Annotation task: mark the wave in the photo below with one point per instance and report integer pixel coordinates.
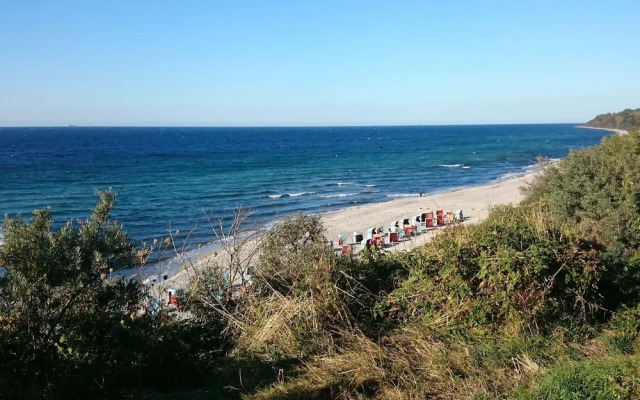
(333, 196)
(277, 196)
(369, 185)
(508, 175)
(402, 195)
(344, 183)
(300, 194)
(454, 166)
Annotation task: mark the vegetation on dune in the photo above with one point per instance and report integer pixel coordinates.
(594, 194)
(625, 120)
(540, 301)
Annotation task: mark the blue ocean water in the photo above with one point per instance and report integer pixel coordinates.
(171, 176)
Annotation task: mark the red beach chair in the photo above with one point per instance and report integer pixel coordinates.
(440, 216)
(428, 219)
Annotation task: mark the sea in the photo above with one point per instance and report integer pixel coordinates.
(173, 178)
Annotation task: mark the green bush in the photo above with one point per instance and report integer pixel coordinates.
(505, 269)
(294, 253)
(67, 324)
(597, 190)
(595, 194)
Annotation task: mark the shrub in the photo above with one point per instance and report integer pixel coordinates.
(511, 268)
(595, 194)
(597, 191)
(65, 322)
(294, 252)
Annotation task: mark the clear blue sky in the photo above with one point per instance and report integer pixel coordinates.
(337, 62)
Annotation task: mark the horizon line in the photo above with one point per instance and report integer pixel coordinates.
(287, 126)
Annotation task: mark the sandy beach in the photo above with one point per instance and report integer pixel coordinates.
(616, 131)
(474, 201)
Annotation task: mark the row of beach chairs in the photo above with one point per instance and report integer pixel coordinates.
(397, 231)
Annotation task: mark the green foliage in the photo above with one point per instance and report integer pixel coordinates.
(295, 252)
(505, 269)
(66, 324)
(608, 379)
(364, 282)
(597, 189)
(595, 194)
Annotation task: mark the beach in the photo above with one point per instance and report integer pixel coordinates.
(616, 131)
(475, 202)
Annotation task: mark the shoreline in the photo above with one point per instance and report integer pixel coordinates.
(474, 201)
(618, 132)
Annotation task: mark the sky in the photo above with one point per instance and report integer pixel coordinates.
(305, 63)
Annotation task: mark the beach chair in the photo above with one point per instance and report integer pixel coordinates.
(401, 234)
(450, 217)
(439, 216)
(417, 219)
(417, 223)
(393, 226)
(459, 217)
(347, 249)
(428, 219)
(408, 227)
(342, 239)
(357, 237)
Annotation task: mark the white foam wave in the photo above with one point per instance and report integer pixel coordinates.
(369, 185)
(465, 167)
(507, 176)
(402, 195)
(277, 196)
(333, 196)
(344, 183)
(450, 165)
(300, 194)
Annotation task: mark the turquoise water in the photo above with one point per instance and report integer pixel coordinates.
(172, 176)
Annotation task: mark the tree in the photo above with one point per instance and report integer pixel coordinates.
(60, 305)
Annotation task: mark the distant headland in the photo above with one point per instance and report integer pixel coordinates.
(624, 120)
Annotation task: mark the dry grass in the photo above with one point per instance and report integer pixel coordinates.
(405, 365)
(283, 327)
